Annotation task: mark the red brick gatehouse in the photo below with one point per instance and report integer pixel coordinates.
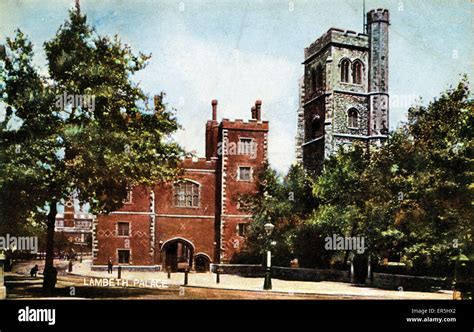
(76, 227)
(197, 220)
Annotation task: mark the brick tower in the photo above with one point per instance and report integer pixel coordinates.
(196, 220)
(243, 153)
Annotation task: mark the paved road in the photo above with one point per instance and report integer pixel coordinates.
(155, 285)
(74, 288)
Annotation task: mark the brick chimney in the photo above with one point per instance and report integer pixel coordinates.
(212, 132)
(214, 109)
(254, 113)
(258, 109)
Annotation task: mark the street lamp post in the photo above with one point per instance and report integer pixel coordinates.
(267, 284)
(3, 289)
(80, 257)
(459, 259)
(81, 244)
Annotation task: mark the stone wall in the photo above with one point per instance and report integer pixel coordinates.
(244, 270)
(380, 280)
(136, 268)
(342, 103)
(287, 273)
(408, 283)
(284, 273)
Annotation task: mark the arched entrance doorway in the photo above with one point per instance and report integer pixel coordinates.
(202, 262)
(177, 254)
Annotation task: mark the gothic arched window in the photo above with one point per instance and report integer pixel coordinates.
(352, 117)
(186, 194)
(314, 84)
(357, 68)
(319, 77)
(345, 68)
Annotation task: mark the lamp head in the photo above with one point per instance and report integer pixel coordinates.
(269, 228)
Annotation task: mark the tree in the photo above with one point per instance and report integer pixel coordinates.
(432, 172)
(283, 201)
(95, 150)
(411, 199)
(342, 190)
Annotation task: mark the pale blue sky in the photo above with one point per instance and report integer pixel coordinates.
(242, 50)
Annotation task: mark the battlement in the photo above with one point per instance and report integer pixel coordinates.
(378, 15)
(336, 36)
(252, 124)
(213, 128)
(255, 123)
(199, 163)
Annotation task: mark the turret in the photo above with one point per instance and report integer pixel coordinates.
(378, 22)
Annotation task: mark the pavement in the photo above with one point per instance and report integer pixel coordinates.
(140, 279)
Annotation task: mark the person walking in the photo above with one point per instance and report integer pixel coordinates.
(110, 266)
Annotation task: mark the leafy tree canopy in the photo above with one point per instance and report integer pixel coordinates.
(81, 128)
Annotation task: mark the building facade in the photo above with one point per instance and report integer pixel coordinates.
(345, 95)
(196, 220)
(76, 227)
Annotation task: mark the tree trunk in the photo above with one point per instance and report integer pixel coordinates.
(50, 272)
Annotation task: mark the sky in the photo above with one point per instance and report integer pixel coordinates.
(238, 51)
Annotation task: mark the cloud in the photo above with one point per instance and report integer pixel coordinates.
(194, 71)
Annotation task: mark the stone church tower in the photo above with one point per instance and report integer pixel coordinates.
(345, 95)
